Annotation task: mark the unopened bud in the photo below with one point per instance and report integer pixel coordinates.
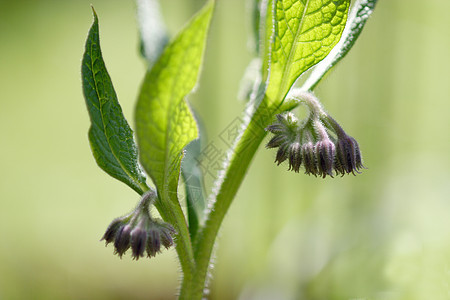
(309, 158)
(139, 231)
(295, 156)
(325, 153)
(122, 240)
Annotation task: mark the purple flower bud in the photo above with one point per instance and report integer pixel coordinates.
(122, 240)
(308, 157)
(112, 230)
(276, 141)
(154, 241)
(325, 154)
(282, 154)
(295, 156)
(138, 241)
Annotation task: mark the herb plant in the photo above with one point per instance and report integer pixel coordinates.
(292, 37)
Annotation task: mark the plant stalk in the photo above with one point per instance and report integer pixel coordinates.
(183, 245)
(242, 156)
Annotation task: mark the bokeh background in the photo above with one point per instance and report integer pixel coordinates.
(384, 234)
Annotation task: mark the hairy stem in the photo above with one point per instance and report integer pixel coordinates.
(242, 156)
(183, 245)
(239, 163)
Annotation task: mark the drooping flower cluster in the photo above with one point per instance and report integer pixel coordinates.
(318, 143)
(139, 231)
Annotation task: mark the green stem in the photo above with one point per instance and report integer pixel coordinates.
(174, 215)
(235, 172)
(193, 288)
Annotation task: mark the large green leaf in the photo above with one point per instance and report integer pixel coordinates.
(360, 13)
(110, 136)
(164, 121)
(304, 32)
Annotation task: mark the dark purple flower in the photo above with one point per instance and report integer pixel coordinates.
(122, 240)
(138, 241)
(154, 241)
(295, 156)
(139, 231)
(319, 144)
(325, 154)
(282, 154)
(309, 160)
(112, 230)
(348, 157)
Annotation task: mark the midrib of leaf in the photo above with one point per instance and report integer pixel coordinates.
(291, 55)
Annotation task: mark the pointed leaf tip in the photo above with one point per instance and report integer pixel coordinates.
(110, 136)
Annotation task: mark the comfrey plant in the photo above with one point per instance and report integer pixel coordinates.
(292, 36)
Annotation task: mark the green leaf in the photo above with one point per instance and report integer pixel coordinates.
(305, 31)
(110, 136)
(193, 180)
(358, 17)
(165, 124)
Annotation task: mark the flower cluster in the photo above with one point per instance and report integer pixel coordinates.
(319, 144)
(139, 231)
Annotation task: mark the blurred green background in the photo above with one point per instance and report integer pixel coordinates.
(384, 234)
